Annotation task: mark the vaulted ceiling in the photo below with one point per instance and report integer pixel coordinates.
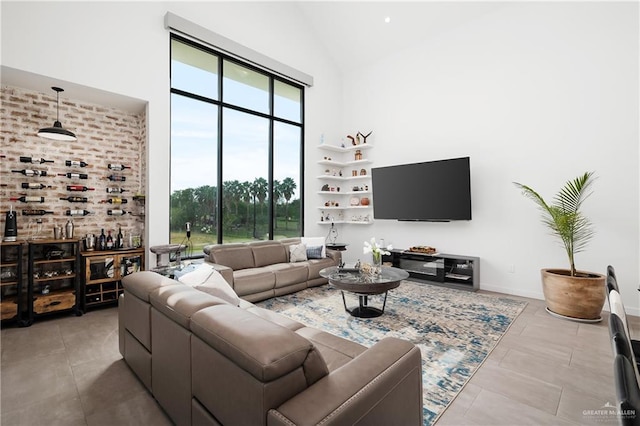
(357, 32)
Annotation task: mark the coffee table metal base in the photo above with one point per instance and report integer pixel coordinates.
(364, 310)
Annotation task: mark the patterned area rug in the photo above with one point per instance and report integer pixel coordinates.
(455, 330)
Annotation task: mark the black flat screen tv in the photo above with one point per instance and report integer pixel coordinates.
(435, 191)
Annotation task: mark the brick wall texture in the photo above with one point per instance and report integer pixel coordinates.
(105, 135)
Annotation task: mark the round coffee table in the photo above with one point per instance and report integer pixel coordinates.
(364, 285)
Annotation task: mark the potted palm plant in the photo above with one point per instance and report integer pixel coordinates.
(570, 293)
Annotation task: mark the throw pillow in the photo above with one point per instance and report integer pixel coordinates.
(314, 242)
(314, 252)
(205, 278)
(297, 253)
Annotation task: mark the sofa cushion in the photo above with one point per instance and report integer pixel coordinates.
(268, 253)
(315, 242)
(205, 278)
(297, 253)
(274, 317)
(235, 256)
(289, 273)
(253, 280)
(264, 349)
(316, 265)
(314, 252)
(142, 283)
(335, 350)
(180, 302)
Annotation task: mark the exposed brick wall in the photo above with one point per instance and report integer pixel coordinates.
(105, 135)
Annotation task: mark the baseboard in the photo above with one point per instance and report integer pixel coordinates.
(510, 290)
(630, 310)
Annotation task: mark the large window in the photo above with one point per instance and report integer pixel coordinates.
(236, 149)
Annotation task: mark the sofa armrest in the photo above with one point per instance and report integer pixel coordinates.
(225, 271)
(383, 385)
(335, 255)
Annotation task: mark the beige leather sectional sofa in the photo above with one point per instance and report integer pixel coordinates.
(208, 362)
(260, 270)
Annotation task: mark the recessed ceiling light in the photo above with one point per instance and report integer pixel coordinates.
(387, 19)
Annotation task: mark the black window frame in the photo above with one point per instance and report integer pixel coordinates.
(222, 57)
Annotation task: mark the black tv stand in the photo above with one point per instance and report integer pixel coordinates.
(449, 270)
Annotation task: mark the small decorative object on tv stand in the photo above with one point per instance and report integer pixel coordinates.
(448, 270)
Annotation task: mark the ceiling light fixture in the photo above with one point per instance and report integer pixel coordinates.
(57, 132)
(387, 19)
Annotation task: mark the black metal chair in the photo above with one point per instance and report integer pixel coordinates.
(627, 353)
(627, 392)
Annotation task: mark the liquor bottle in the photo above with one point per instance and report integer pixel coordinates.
(79, 188)
(102, 241)
(120, 239)
(77, 212)
(117, 178)
(75, 199)
(75, 175)
(117, 167)
(109, 241)
(34, 160)
(76, 163)
(33, 185)
(35, 212)
(116, 212)
(28, 172)
(27, 199)
(115, 200)
(115, 190)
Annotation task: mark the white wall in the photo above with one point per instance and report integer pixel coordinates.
(534, 92)
(123, 47)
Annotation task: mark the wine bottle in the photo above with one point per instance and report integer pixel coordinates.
(102, 241)
(115, 189)
(79, 188)
(120, 239)
(109, 241)
(76, 163)
(117, 167)
(28, 172)
(115, 200)
(75, 175)
(116, 212)
(35, 212)
(75, 199)
(27, 199)
(33, 185)
(117, 178)
(34, 160)
(77, 212)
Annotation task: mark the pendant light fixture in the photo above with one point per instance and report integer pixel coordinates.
(57, 132)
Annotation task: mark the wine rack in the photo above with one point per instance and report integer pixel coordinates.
(53, 277)
(103, 272)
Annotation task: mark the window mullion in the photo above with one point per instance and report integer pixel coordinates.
(219, 203)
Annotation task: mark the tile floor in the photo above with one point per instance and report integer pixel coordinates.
(545, 371)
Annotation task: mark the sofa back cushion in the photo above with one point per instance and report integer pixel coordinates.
(268, 253)
(235, 256)
(262, 348)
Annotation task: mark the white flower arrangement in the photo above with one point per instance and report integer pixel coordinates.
(376, 249)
